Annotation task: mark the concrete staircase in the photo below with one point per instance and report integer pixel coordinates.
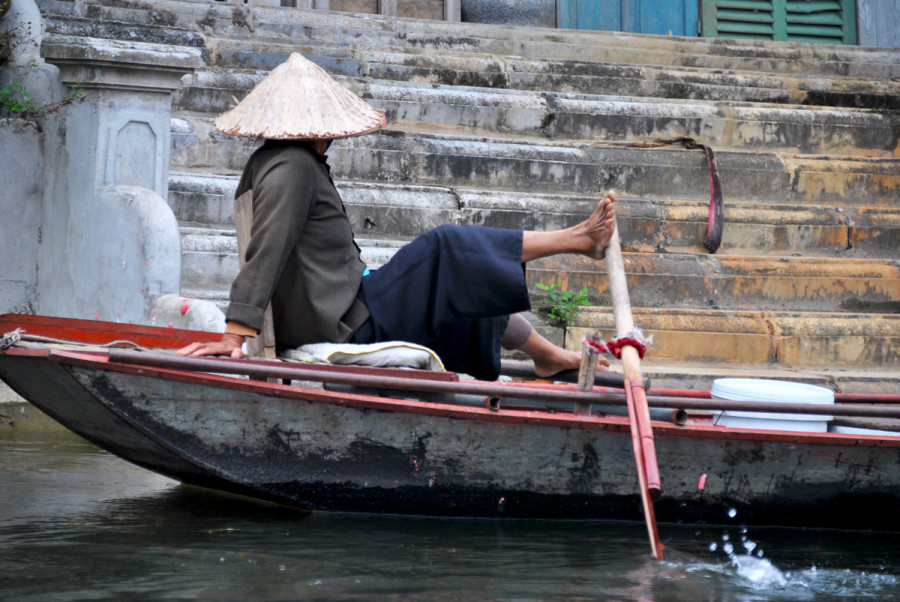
(523, 128)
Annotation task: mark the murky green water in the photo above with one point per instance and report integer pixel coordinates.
(79, 524)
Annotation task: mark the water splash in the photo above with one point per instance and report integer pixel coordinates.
(758, 579)
(849, 583)
(728, 547)
(760, 573)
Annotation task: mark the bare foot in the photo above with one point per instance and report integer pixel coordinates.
(562, 360)
(596, 231)
(549, 359)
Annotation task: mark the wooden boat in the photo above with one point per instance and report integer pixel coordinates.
(434, 445)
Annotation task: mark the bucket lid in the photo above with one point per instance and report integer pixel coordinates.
(758, 389)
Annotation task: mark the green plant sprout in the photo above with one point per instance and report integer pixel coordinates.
(15, 101)
(564, 304)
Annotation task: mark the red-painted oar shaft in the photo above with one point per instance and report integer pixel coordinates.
(648, 445)
(641, 469)
(639, 413)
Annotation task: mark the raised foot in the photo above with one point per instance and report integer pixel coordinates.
(597, 230)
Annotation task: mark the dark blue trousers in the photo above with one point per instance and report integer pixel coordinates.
(452, 289)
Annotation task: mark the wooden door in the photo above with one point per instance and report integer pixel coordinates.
(663, 17)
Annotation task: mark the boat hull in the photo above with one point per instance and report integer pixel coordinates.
(324, 450)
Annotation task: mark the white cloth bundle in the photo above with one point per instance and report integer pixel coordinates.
(389, 354)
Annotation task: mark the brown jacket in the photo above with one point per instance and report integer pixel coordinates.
(301, 254)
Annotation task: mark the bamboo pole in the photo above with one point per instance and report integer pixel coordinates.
(639, 413)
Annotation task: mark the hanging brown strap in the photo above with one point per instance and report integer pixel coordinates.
(715, 222)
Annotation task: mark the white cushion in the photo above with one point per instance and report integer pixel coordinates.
(389, 354)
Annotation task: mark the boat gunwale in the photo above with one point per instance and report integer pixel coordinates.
(507, 415)
(97, 332)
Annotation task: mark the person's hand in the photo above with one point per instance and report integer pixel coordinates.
(229, 345)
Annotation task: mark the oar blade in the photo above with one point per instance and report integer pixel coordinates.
(647, 496)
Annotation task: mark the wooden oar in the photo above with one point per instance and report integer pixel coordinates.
(638, 412)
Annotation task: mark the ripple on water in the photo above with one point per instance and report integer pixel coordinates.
(850, 583)
(76, 523)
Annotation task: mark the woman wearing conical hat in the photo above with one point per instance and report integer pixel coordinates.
(454, 289)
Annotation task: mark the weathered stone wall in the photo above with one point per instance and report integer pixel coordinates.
(28, 148)
(414, 9)
(22, 169)
(879, 23)
(533, 13)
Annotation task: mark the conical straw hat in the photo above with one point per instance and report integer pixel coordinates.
(299, 100)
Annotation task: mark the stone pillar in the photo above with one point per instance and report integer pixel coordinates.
(110, 243)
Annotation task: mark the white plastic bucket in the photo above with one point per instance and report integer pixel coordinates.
(757, 389)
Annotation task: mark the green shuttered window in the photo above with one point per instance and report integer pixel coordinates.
(818, 21)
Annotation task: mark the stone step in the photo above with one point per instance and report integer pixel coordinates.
(373, 31)
(558, 115)
(395, 211)
(679, 226)
(195, 145)
(677, 67)
(539, 165)
(699, 281)
(203, 198)
(457, 67)
(667, 172)
(401, 211)
(694, 281)
(209, 261)
(516, 73)
(60, 22)
(840, 341)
